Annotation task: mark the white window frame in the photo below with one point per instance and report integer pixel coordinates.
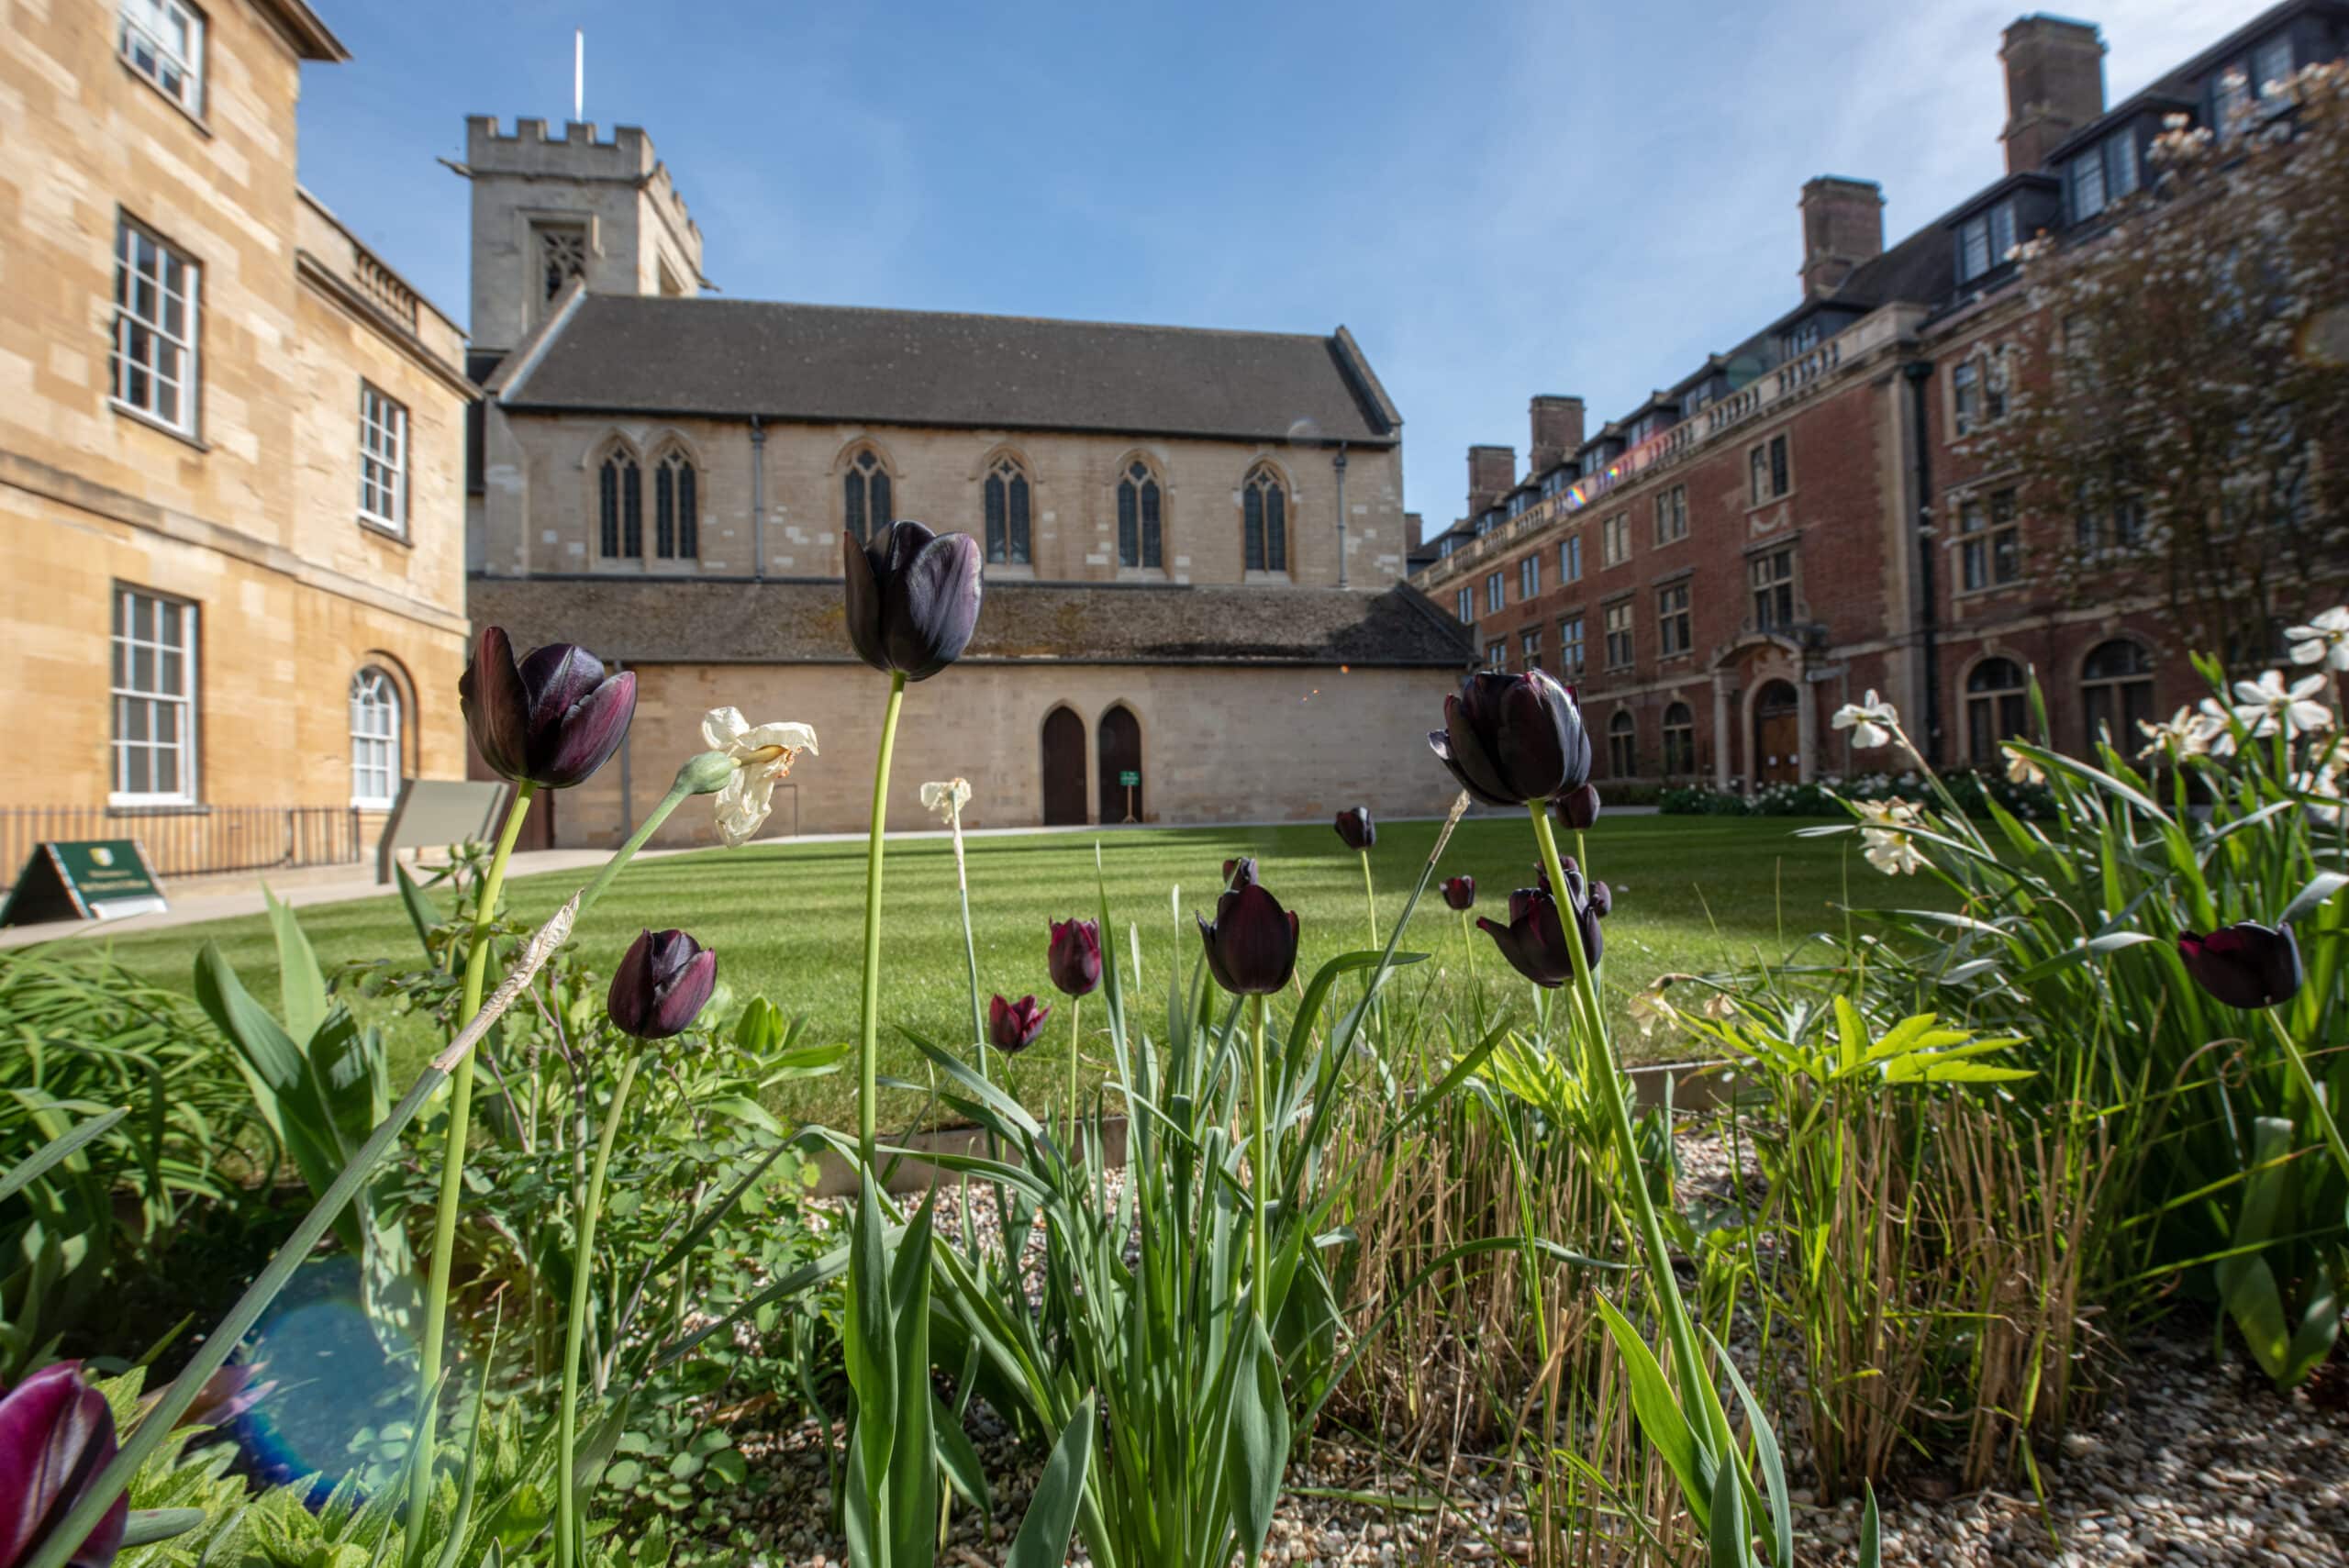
(383, 459)
(139, 28)
(1495, 590)
(125, 645)
(1528, 577)
(372, 690)
(1615, 539)
(1570, 559)
(1675, 622)
(1468, 605)
(133, 317)
(1672, 515)
(1573, 650)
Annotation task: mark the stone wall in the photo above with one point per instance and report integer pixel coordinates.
(540, 503)
(1219, 744)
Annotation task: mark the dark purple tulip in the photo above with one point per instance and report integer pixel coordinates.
(1075, 958)
(1239, 872)
(1534, 940)
(913, 598)
(1251, 943)
(1460, 892)
(1578, 808)
(550, 720)
(56, 1434)
(2245, 964)
(1356, 828)
(663, 984)
(1512, 740)
(1014, 1026)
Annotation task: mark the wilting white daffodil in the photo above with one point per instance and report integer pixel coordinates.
(1888, 849)
(2324, 641)
(1871, 720)
(2183, 734)
(763, 754)
(2267, 705)
(2023, 769)
(947, 797)
(1648, 1010)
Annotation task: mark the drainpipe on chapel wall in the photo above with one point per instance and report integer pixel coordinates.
(758, 499)
(1339, 463)
(1921, 377)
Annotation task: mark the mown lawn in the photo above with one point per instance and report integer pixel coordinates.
(1690, 893)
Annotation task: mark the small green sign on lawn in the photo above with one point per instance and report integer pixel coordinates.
(1130, 778)
(87, 879)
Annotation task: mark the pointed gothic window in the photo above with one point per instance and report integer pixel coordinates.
(621, 508)
(562, 256)
(676, 525)
(1139, 530)
(1006, 508)
(1264, 514)
(866, 492)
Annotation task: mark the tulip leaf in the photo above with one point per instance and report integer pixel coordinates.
(1871, 1535)
(1045, 1534)
(1659, 1412)
(55, 1151)
(1258, 1452)
(2320, 888)
(1767, 1459)
(870, 1343)
(145, 1526)
(957, 1458)
(1729, 1544)
(302, 987)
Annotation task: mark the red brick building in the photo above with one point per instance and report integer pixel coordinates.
(1792, 524)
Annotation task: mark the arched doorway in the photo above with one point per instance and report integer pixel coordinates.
(1063, 769)
(1777, 734)
(1120, 759)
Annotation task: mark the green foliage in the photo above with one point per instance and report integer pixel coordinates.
(1975, 793)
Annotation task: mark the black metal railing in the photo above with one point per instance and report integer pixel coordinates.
(195, 840)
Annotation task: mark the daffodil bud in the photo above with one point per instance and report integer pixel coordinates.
(707, 772)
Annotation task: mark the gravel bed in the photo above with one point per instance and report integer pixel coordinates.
(2189, 1461)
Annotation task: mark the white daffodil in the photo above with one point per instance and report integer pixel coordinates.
(1889, 849)
(2023, 769)
(2324, 641)
(2319, 792)
(2267, 705)
(1648, 1010)
(947, 797)
(2182, 735)
(763, 755)
(1871, 720)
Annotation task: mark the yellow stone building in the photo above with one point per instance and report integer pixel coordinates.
(231, 454)
(1195, 539)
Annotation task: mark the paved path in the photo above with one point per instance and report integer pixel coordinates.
(222, 898)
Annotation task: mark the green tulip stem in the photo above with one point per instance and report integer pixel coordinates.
(2318, 1111)
(868, 1082)
(1370, 900)
(452, 1159)
(583, 1265)
(1260, 1170)
(1468, 946)
(1075, 1038)
(1688, 1364)
(676, 797)
(157, 1424)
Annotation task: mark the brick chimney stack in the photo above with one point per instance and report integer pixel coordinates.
(1843, 225)
(2055, 85)
(1492, 473)
(1556, 431)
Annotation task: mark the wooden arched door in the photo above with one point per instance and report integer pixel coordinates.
(1063, 769)
(1777, 734)
(1121, 762)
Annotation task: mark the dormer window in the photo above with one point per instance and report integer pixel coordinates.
(2102, 175)
(1985, 240)
(2271, 66)
(1802, 339)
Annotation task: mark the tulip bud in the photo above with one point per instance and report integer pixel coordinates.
(1513, 739)
(1534, 940)
(1356, 828)
(1460, 892)
(662, 985)
(1013, 1026)
(1251, 943)
(1578, 808)
(56, 1434)
(913, 598)
(550, 720)
(1074, 960)
(707, 772)
(2244, 965)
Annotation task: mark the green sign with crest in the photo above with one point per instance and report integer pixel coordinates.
(83, 879)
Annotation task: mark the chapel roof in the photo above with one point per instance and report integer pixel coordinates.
(733, 359)
(699, 620)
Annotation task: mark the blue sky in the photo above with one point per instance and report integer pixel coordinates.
(1497, 199)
